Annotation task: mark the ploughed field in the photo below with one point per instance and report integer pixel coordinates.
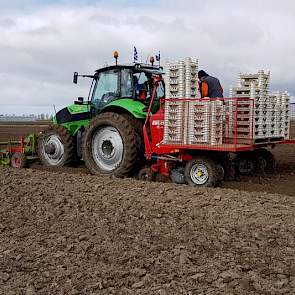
(14, 130)
(74, 233)
(63, 231)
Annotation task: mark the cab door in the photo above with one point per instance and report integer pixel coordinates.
(106, 89)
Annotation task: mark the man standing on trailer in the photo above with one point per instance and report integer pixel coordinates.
(209, 86)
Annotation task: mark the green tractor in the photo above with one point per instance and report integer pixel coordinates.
(106, 130)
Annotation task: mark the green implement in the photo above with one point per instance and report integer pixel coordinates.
(19, 153)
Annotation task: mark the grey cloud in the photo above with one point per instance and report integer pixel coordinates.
(42, 48)
(6, 22)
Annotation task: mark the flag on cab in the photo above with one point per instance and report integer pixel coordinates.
(135, 54)
(158, 57)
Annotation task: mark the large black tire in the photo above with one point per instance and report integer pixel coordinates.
(128, 136)
(210, 172)
(265, 160)
(256, 162)
(246, 163)
(56, 146)
(138, 127)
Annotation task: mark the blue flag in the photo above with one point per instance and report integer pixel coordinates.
(135, 54)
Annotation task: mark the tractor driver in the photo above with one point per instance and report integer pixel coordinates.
(209, 86)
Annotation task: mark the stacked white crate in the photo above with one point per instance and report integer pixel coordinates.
(256, 87)
(189, 121)
(205, 122)
(282, 113)
(174, 110)
(199, 122)
(274, 107)
(175, 80)
(286, 113)
(217, 116)
(191, 83)
(174, 122)
(180, 83)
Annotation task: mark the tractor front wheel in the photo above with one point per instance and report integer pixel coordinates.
(202, 171)
(110, 145)
(56, 146)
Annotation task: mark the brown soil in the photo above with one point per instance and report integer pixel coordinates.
(283, 181)
(15, 130)
(64, 233)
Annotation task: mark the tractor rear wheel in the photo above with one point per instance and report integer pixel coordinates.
(110, 145)
(202, 171)
(56, 146)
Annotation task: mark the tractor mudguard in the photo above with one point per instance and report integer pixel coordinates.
(136, 108)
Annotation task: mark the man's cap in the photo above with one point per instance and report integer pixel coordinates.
(201, 74)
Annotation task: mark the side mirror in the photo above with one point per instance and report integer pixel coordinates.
(75, 79)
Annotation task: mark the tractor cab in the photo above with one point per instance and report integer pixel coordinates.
(124, 82)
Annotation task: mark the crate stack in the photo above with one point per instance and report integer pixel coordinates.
(281, 102)
(181, 79)
(198, 122)
(256, 87)
(239, 115)
(205, 122)
(274, 116)
(271, 112)
(174, 122)
(216, 124)
(191, 82)
(286, 113)
(180, 83)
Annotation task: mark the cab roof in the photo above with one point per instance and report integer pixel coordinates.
(135, 66)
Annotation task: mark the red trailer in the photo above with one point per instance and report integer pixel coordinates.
(199, 141)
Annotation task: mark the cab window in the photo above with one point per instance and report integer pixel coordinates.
(126, 83)
(106, 88)
(142, 84)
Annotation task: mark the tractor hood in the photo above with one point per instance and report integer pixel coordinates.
(72, 113)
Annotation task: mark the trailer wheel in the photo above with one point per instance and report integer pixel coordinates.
(18, 160)
(220, 172)
(246, 163)
(202, 171)
(146, 174)
(56, 146)
(265, 160)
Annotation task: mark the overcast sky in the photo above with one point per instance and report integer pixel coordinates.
(43, 42)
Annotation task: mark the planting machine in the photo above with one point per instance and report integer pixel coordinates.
(200, 141)
(127, 127)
